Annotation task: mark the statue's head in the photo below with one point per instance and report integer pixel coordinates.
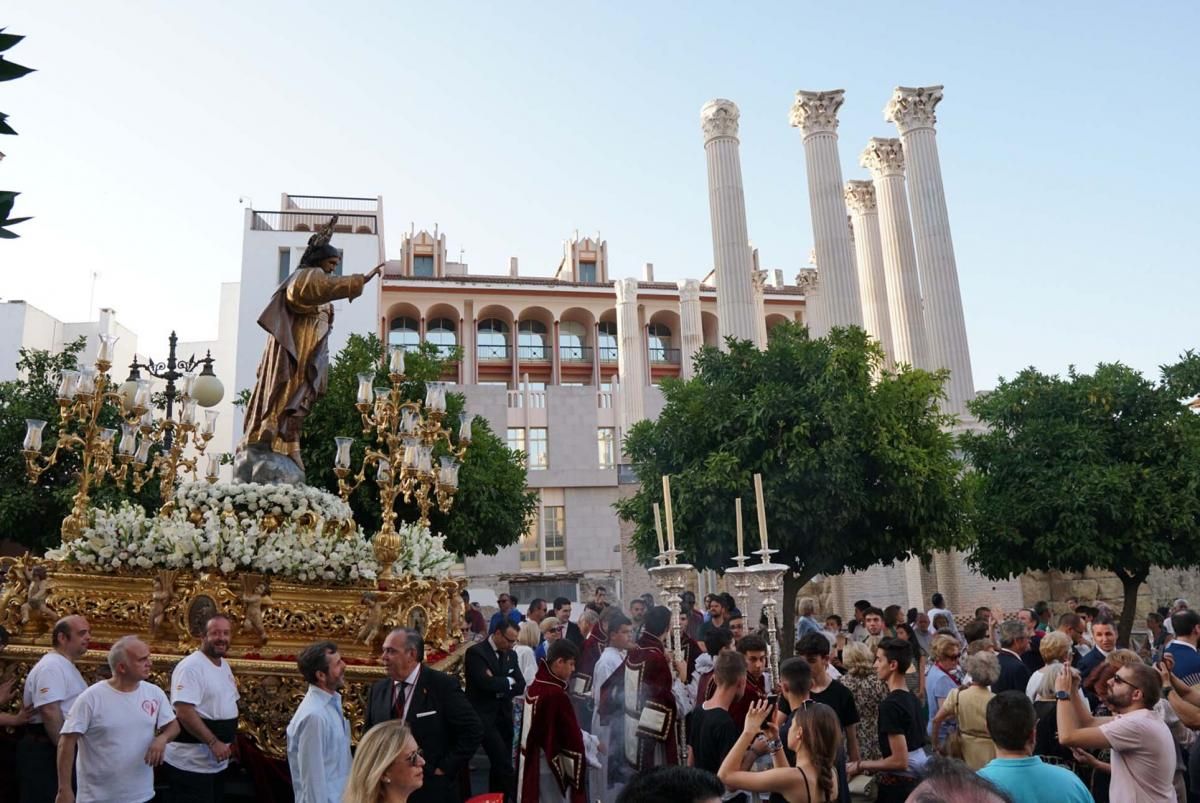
(325, 257)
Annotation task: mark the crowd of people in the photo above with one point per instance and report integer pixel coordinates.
(891, 706)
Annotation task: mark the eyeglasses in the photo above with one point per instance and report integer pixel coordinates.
(1119, 679)
(415, 757)
(954, 656)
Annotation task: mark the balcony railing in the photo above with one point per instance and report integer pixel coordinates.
(537, 399)
(608, 354)
(493, 353)
(311, 221)
(533, 353)
(575, 353)
(604, 399)
(665, 356)
(333, 202)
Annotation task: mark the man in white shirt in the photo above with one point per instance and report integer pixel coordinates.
(50, 689)
(318, 737)
(205, 695)
(607, 693)
(939, 609)
(121, 728)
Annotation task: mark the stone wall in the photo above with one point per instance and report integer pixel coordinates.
(1161, 588)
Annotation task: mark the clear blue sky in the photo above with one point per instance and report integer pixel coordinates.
(1067, 140)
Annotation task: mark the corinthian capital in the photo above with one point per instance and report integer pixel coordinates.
(808, 280)
(689, 291)
(911, 107)
(816, 112)
(860, 197)
(719, 118)
(627, 290)
(883, 157)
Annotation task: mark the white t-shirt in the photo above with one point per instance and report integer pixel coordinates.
(53, 679)
(117, 729)
(213, 690)
(1143, 758)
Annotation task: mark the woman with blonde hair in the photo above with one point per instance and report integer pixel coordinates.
(968, 708)
(1054, 648)
(814, 736)
(868, 691)
(388, 766)
(529, 635)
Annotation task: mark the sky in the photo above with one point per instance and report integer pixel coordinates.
(1066, 139)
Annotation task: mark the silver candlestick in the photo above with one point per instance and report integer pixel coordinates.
(770, 580)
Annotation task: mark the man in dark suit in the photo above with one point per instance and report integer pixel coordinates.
(493, 680)
(443, 723)
(1014, 674)
(570, 631)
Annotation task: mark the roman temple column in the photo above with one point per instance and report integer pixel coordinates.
(912, 110)
(809, 282)
(868, 254)
(759, 280)
(691, 328)
(631, 355)
(815, 114)
(727, 207)
(885, 159)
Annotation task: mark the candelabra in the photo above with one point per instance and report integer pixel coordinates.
(407, 436)
(83, 397)
(672, 578)
(770, 581)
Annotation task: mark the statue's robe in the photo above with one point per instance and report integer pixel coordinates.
(553, 760)
(294, 368)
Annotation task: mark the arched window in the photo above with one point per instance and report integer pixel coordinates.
(607, 344)
(571, 339)
(492, 340)
(531, 340)
(441, 333)
(405, 332)
(659, 340)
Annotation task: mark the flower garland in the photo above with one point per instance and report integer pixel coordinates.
(221, 528)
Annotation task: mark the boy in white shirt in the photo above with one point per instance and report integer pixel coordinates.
(121, 728)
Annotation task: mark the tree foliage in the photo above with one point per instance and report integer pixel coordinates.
(1095, 470)
(8, 71)
(855, 471)
(32, 514)
(493, 505)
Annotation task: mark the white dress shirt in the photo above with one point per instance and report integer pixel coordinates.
(406, 690)
(318, 748)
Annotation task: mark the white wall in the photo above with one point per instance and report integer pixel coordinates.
(23, 325)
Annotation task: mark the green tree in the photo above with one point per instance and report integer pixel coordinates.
(32, 514)
(855, 471)
(1095, 470)
(493, 505)
(8, 71)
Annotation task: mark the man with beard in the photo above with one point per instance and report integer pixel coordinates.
(318, 736)
(655, 697)
(607, 696)
(205, 696)
(554, 750)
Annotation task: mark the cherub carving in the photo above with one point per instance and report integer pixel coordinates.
(254, 602)
(164, 590)
(370, 628)
(38, 587)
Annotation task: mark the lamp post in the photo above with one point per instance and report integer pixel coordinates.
(406, 436)
(205, 388)
(83, 396)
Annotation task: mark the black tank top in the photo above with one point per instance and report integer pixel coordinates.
(778, 798)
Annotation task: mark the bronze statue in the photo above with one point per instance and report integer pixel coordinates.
(293, 371)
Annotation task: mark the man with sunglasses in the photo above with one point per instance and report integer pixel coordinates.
(1143, 752)
(493, 680)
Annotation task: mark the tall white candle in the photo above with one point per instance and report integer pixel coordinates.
(762, 511)
(658, 528)
(667, 507)
(737, 514)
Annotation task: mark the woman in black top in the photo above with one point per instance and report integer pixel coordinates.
(814, 736)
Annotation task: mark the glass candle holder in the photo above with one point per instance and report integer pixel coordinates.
(128, 444)
(341, 458)
(68, 381)
(33, 434)
(210, 422)
(107, 347)
(396, 360)
(365, 380)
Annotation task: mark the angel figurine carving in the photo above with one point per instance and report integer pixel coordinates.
(293, 370)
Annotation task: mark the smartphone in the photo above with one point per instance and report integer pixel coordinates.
(773, 706)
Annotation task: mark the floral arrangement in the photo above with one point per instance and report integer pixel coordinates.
(274, 529)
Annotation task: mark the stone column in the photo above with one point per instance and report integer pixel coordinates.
(631, 354)
(691, 329)
(727, 207)
(885, 159)
(912, 110)
(809, 282)
(868, 252)
(759, 280)
(815, 114)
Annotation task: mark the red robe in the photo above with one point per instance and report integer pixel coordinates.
(756, 689)
(549, 729)
(581, 681)
(651, 718)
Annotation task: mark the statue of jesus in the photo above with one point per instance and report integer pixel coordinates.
(293, 372)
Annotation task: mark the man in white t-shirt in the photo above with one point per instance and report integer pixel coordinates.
(50, 689)
(205, 696)
(121, 728)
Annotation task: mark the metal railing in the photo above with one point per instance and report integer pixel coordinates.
(493, 352)
(669, 356)
(312, 221)
(608, 353)
(575, 353)
(534, 353)
(333, 203)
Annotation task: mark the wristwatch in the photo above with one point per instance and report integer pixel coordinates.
(774, 745)
(1062, 695)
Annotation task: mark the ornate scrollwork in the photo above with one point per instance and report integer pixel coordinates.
(883, 157)
(816, 112)
(912, 107)
(719, 118)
